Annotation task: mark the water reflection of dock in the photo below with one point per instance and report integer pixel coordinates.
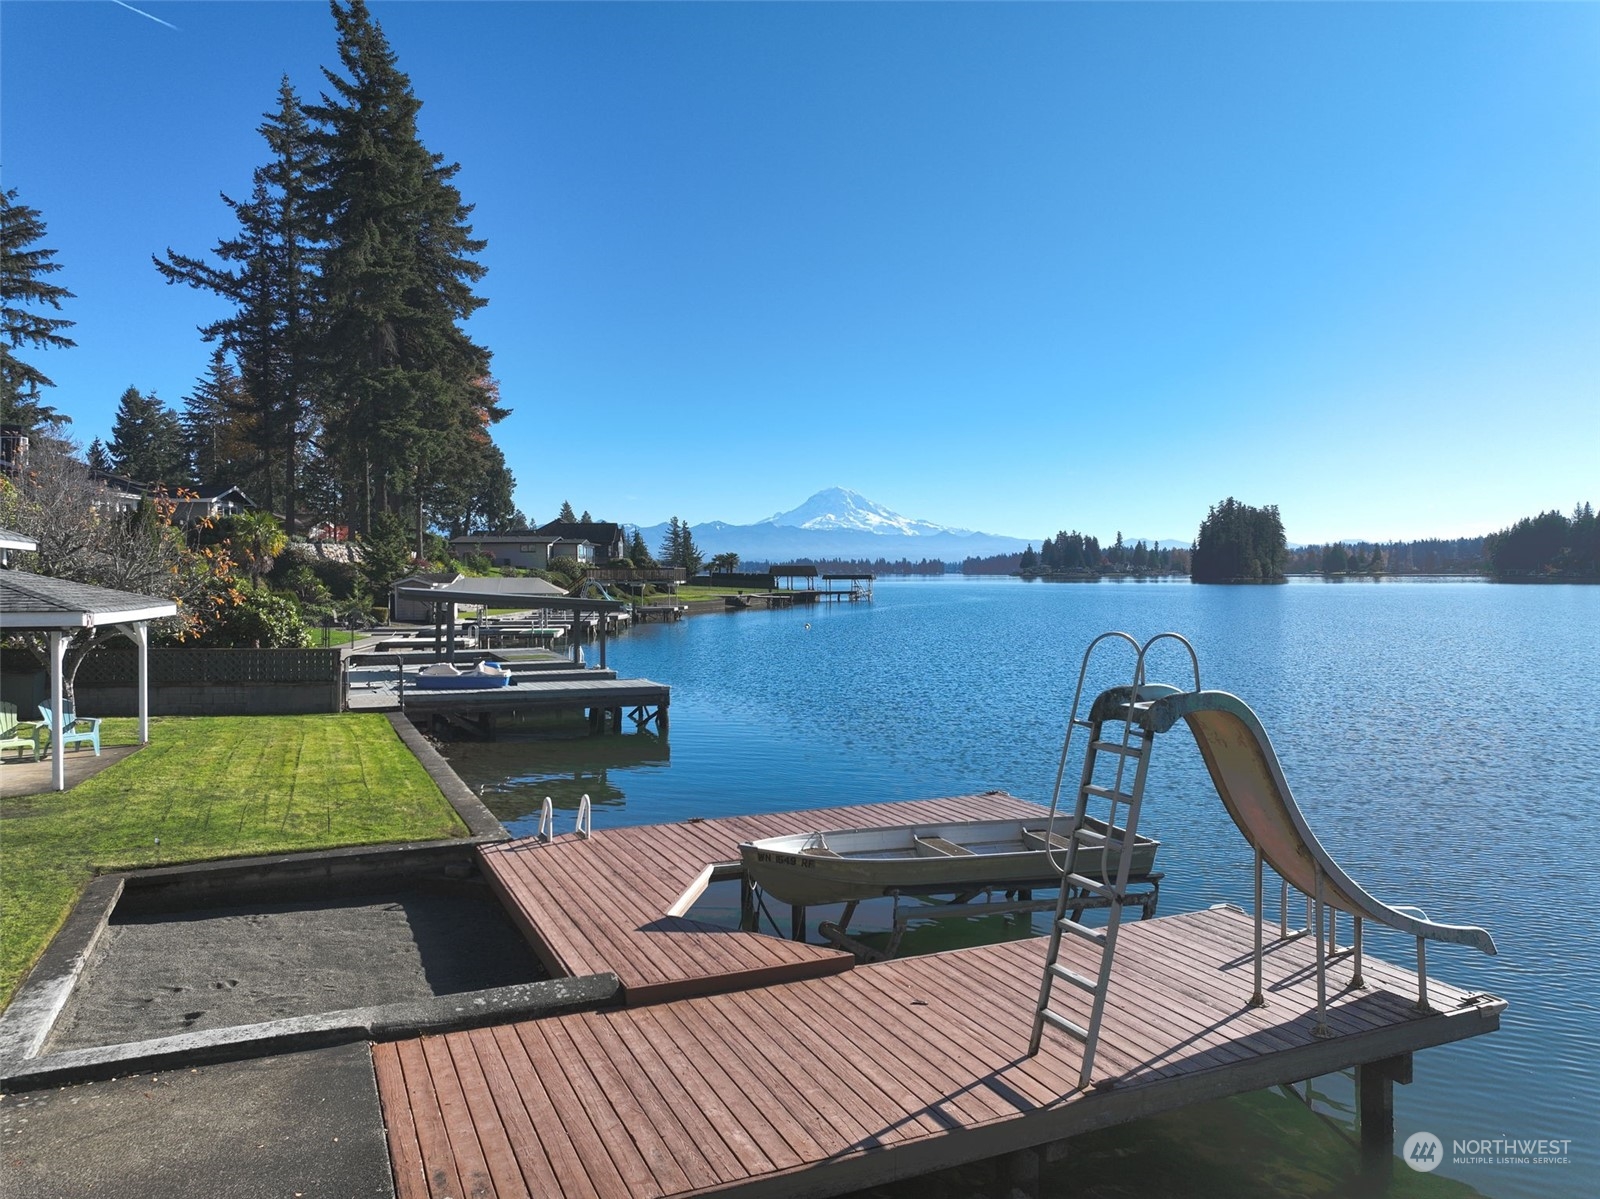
(567, 768)
(753, 1065)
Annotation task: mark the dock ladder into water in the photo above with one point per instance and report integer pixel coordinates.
(1129, 754)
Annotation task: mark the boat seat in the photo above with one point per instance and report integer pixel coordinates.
(1035, 839)
(940, 845)
(819, 851)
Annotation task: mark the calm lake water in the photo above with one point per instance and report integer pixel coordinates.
(1443, 738)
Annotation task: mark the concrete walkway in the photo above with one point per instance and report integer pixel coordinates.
(24, 777)
(301, 1124)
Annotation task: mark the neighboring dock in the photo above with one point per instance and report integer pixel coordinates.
(829, 1077)
(541, 683)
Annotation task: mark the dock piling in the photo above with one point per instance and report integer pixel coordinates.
(1375, 1113)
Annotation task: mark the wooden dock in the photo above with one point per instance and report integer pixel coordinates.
(756, 1066)
(537, 689)
(599, 905)
(645, 613)
(829, 1085)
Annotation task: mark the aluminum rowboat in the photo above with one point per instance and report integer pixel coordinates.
(973, 855)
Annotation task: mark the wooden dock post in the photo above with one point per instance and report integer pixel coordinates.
(1375, 1107)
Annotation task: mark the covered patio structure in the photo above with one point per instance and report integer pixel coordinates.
(59, 608)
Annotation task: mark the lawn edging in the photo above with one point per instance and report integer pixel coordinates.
(480, 822)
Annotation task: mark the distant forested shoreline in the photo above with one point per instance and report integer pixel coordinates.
(1245, 545)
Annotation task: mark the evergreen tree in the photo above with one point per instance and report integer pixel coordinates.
(399, 401)
(386, 555)
(23, 285)
(566, 514)
(147, 443)
(476, 494)
(689, 555)
(1548, 546)
(638, 552)
(269, 277)
(672, 543)
(679, 549)
(97, 458)
(1239, 544)
(489, 507)
(586, 518)
(214, 429)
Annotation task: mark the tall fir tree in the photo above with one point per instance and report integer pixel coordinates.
(24, 290)
(1240, 544)
(678, 547)
(399, 404)
(269, 276)
(671, 543)
(147, 443)
(638, 552)
(216, 429)
(567, 515)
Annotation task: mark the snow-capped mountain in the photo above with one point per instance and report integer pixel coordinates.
(841, 524)
(838, 508)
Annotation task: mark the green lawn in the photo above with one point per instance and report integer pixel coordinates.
(335, 636)
(207, 787)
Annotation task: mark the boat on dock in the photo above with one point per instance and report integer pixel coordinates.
(842, 865)
(442, 676)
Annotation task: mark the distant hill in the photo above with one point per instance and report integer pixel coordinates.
(841, 524)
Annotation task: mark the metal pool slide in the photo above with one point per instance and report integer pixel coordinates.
(1251, 785)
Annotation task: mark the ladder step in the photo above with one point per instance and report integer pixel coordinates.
(1082, 981)
(1131, 750)
(1107, 793)
(1065, 1025)
(1097, 935)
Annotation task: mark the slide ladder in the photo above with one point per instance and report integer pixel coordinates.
(1116, 789)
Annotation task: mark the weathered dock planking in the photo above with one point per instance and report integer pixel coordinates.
(600, 904)
(829, 1085)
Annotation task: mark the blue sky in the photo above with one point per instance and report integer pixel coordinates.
(1007, 267)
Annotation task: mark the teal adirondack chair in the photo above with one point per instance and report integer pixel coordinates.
(16, 734)
(77, 728)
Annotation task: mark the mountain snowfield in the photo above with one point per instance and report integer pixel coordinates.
(840, 508)
(841, 524)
